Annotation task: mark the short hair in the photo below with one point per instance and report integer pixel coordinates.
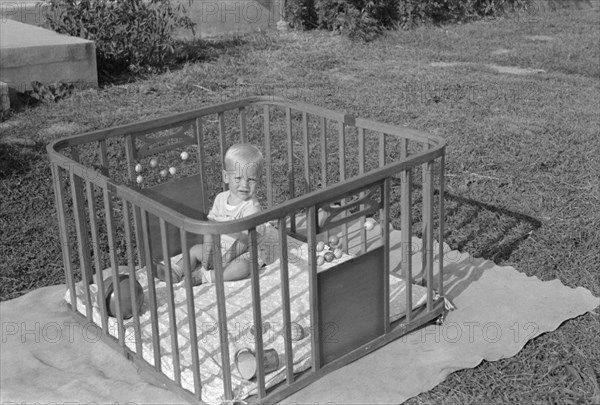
(244, 152)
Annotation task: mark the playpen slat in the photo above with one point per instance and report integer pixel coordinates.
(342, 157)
(114, 264)
(191, 312)
(315, 335)
(62, 229)
(199, 132)
(170, 302)
(151, 290)
(441, 226)
(82, 236)
(385, 221)
(382, 146)
(137, 220)
(427, 248)
(132, 276)
(257, 315)
(285, 299)
(215, 242)
(290, 174)
(243, 133)
(361, 170)
(405, 229)
(324, 158)
(104, 157)
(222, 141)
(91, 197)
(306, 152)
(269, 158)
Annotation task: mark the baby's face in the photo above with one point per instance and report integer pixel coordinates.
(242, 178)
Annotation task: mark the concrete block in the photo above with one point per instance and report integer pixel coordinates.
(31, 53)
(26, 11)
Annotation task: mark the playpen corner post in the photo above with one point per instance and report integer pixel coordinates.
(81, 231)
(427, 229)
(62, 227)
(442, 219)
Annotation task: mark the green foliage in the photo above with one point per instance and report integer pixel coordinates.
(366, 19)
(129, 34)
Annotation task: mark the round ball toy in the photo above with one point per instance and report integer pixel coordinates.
(163, 173)
(329, 256)
(153, 162)
(333, 240)
(172, 170)
(138, 168)
(320, 260)
(185, 155)
(139, 179)
(369, 224)
(320, 246)
(127, 304)
(337, 253)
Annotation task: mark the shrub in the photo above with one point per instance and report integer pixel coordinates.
(414, 12)
(365, 19)
(129, 34)
(301, 14)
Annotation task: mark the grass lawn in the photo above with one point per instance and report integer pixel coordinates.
(523, 161)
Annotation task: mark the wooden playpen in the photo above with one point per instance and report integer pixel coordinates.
(132, 195)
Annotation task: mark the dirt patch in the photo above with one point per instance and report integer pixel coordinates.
(539, 38)
(502, 51)
(514, 70)
(446, 64)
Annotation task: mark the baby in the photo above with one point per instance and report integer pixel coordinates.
(243, 168)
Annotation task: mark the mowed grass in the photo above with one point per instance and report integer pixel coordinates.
(523, 159)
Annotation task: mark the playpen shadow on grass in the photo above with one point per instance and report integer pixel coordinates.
(480, 229)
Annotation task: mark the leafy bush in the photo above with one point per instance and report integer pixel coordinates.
(301, 14)
(129, 34)
(365, 19)
(414, 12)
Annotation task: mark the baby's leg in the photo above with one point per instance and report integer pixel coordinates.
(237, 269)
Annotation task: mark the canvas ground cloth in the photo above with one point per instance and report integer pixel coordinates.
(47, 357)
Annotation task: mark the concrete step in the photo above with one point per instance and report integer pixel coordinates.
(26, 11)
(33, 53)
